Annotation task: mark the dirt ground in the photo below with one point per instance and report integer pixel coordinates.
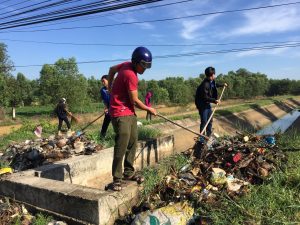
(8, 129)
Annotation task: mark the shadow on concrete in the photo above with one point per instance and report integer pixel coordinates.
(242, 123)
(295, 102)
(285, 106)
(149, 147)
(54, 172)
(237, 122)
(264, 111)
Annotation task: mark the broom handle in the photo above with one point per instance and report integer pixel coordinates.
(181, 126)
(209, 119)
(90, 123)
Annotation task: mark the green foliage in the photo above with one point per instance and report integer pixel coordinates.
(178, 90)
(64, 78)
(6, 65)
(41, 219)
(145, 133)
(93, 89)
(154, 175)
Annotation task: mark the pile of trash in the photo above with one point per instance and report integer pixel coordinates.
(228, 164)
(221, 165)
(33, 153)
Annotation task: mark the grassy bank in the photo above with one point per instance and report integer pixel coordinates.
(34, 112)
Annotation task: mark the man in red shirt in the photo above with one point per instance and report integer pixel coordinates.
(123, 99)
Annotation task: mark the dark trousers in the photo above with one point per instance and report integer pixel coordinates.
(148, 116)
(204, 116)
(105, 125)
(60, 121)
(126, 139)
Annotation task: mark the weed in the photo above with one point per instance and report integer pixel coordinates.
(154, 175)
(145, 133)
(41, 219)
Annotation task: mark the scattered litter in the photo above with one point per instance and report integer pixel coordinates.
(33, 153)
(38, 131)
(179, 213)
(229, 164)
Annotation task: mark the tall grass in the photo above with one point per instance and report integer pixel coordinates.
(154, 175)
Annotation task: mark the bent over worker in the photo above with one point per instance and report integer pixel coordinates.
(123, 99)
(62, 113)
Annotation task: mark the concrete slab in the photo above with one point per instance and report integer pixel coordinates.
(60, 189)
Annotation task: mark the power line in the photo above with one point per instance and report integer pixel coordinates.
(53, 4)
(15, 4)
(151, 45)
(140, 22)
(73, 14)
(5, 1)
(224, 51)
(116, 13)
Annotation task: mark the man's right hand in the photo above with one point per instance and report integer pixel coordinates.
(152, 111)
(217, 102)
(106, 110)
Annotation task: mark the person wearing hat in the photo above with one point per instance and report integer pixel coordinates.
(62, 113)
(205, 95)
(123, 100)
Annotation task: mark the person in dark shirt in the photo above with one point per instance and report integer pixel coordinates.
(62, 113)
(205, 95)
(105, 98)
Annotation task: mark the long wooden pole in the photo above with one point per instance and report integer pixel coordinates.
(181, 126)
(213, 112)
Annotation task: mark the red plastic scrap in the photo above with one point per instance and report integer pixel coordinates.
(237, 157)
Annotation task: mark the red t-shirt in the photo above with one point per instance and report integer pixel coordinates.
(126, 80)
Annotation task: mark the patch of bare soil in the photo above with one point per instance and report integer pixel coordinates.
(8, 129)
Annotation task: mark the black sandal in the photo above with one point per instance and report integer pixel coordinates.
(114, 186)
(134, 177)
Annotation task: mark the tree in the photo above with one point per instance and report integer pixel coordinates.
(25, 89)
(178, 91)
(62, 80)
(9, 93)
(6, 65)
(93, 89)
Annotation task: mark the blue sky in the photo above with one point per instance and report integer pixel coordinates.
(264, 25)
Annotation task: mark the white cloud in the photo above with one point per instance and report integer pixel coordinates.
(279, 19)
(191, 28)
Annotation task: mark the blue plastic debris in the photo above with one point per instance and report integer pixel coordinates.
(201, 139)
(270, 140)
